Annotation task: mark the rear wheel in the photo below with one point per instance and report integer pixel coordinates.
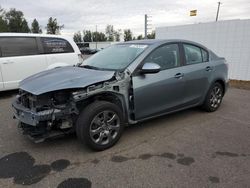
(214, 98)
(100, 125)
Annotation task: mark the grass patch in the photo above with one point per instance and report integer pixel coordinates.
(241, 84)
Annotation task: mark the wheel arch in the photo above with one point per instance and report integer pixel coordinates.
(115, 98)
(222, 82)
(217, 80)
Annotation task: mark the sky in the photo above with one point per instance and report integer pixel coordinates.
(78, 15)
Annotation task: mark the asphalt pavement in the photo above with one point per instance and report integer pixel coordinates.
(191, 148)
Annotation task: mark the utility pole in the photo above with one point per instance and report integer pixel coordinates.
(95, 36)
(218, 10)
(147, 26)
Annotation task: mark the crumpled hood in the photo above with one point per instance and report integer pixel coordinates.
(63, 78)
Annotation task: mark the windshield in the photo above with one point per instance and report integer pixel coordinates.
(115, 57)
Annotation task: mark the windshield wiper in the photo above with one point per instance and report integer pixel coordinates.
(90, 67)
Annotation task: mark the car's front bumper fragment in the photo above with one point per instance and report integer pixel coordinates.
(30, 117)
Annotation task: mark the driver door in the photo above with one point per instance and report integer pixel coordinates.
(161, 92)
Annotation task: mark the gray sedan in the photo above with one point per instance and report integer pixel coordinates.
(123, 84)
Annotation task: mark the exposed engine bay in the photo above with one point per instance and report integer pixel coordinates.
(54, 114)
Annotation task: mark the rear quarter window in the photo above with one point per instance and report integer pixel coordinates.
(56, 45)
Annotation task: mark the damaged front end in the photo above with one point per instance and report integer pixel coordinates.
(54, 113)
(46, 115)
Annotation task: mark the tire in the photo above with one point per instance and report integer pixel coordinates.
(213, 98)
(100, 125)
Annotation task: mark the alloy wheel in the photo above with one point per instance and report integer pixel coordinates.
(104, 127)
(215, 97)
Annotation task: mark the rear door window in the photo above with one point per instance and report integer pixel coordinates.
(56, 45)
(18, 46)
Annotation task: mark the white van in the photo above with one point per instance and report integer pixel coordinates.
(24, 54)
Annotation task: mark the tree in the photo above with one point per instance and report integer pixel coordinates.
(117, 35)
(139, 37)
(102, 37)
(3, 25)
(53, 27)
(25, 28)
(77, 37)
(16, 21)
(98, 36)
(95, 36)
(3, 21)
(35, 28)
(151, 35)
(87, 36)
(127, 35)
(110, 32)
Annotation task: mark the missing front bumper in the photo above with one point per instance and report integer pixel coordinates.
(29, 117)
(40, 126)
(38, 134)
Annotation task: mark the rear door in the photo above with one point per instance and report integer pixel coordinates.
(161, 92)
(197, 73)
(59, 50)
(20, 59)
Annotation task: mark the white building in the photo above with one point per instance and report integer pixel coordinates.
(99, 45)
(229, 39)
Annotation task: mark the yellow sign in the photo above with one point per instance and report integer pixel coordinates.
(193, 12)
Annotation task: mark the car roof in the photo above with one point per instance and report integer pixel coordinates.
(32, 35)
(161, 41)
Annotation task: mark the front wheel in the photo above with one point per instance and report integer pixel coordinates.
(100, 125)
(214, 98)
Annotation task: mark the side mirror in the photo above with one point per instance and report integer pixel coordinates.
(150, 68)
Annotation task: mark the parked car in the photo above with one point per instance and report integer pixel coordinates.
(82, 44)
(22, 55)
(87, 50)
(123, 84)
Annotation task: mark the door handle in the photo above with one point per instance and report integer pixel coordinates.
(179, 75)
(8, 62)
(208, 68)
